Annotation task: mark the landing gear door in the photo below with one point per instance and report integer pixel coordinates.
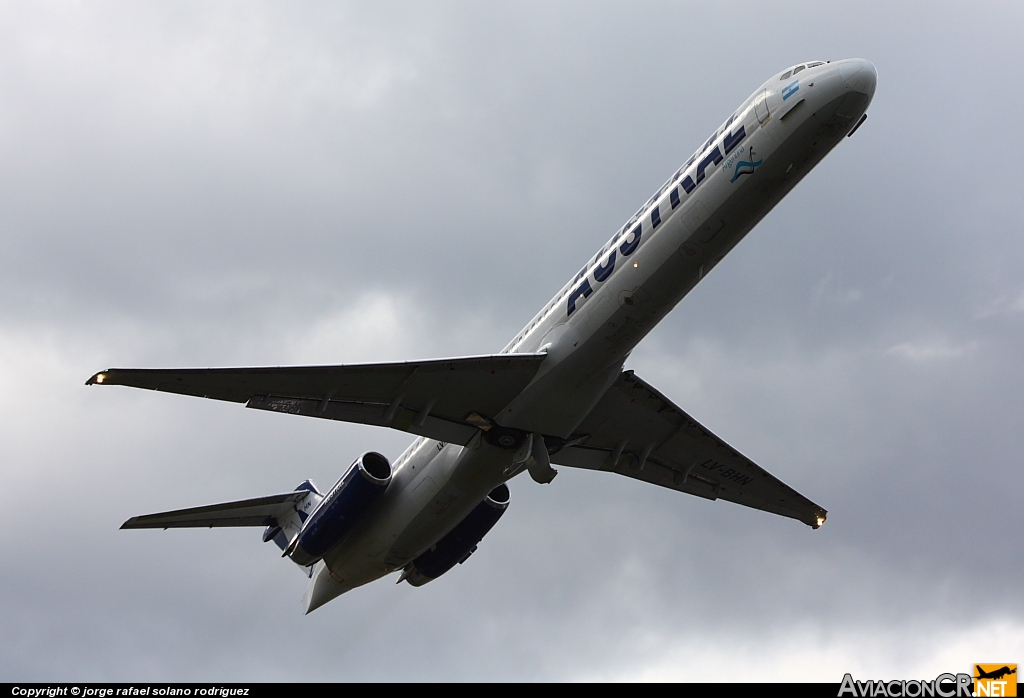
(761, 107)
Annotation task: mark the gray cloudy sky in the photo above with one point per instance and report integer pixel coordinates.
(246, 183)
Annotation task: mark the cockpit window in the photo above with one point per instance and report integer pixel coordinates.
(798, 69)
(815, 65)
(786, 74)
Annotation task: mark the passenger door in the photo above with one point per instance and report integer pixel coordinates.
(761, 107)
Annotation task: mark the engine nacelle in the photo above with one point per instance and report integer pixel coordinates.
(341, 508)
(461, 541)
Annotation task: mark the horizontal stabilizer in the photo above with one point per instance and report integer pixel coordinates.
(443, 399)
(262, 511)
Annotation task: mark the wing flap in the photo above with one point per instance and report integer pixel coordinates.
(429, 398)
(375, 413)
(653, 471)
(261, 511)
(636, 431)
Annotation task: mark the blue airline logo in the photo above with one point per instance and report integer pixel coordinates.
(744, 167)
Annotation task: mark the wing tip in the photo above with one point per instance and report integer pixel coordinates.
(98, 378)
(819, 519)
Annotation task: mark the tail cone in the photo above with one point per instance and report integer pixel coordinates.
(322, 588)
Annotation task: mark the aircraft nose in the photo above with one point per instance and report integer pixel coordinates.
(859, 75)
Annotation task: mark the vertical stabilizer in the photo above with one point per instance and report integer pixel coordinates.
(290, 523)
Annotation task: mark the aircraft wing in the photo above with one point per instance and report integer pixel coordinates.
(636, 431)
(443, 399)
(262, 511)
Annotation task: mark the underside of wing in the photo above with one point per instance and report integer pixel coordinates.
(262, 511)
(444, 399)
(636, 431)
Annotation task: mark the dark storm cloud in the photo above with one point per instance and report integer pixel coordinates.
(197, 185)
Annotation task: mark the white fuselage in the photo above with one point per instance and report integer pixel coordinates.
(589, 328)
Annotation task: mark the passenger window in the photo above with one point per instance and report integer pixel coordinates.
(786, 74)
(797, 69)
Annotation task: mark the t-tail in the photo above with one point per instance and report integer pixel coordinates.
(304, 523)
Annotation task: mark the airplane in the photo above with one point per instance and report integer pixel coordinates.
(995, 674)
(557, 393)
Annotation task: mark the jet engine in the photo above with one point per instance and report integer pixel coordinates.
(460, 542)
(341, 508)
